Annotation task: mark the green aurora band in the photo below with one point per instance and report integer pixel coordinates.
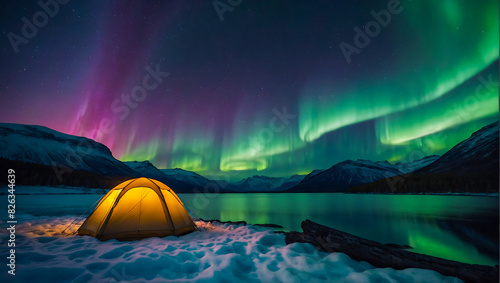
(447, 62)
(419, 96)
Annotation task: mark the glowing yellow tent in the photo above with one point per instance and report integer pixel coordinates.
(136, 209)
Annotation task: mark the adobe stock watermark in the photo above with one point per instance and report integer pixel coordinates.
(372, 29)
(278, 123)
(40, 19)
(265, 135)
(120, 106)
(11, 212)
(406, 166)
(138, 93)
(221, 7)
(462, 110)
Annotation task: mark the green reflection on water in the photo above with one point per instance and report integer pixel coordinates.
(428, 223)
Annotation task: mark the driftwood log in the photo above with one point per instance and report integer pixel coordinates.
(268, 225)
(379, 255)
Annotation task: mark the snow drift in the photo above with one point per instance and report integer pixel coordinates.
(215, 253)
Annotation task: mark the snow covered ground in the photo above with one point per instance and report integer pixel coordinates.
(215, 253)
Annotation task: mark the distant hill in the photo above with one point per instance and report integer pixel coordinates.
(187, 176)
(181, 181)
(259, 183)
(175, 181)
(344, 175)
(469, 167)
(145, 169)
(415, 165)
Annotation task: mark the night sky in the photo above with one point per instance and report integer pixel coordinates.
(267, 90)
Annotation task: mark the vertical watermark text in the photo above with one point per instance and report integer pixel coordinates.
(11, 211)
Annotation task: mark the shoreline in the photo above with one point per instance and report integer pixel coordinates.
(23, 190)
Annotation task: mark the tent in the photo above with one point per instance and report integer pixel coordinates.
(136, 209)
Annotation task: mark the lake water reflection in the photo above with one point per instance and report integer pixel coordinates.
(462, 228)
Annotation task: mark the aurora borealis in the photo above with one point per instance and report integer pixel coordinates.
(265, 91)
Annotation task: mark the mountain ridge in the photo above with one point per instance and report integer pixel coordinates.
(47, 157)
(345, 174)
(471, 166)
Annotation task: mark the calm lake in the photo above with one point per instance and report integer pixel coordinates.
(462, 228)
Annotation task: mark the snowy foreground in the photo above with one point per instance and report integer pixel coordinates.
(215, 253)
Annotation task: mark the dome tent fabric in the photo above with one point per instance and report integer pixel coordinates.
(137, 209)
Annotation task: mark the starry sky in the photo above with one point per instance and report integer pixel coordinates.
(256, 87)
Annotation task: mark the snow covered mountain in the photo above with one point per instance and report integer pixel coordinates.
(145, 169)
(469, 167)
(42, 156)
(181, 181)
(346, 174)
(415, 165)
(290, 182)
(44, 146)
(259, 183)
(475, 154)
(186, 176)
